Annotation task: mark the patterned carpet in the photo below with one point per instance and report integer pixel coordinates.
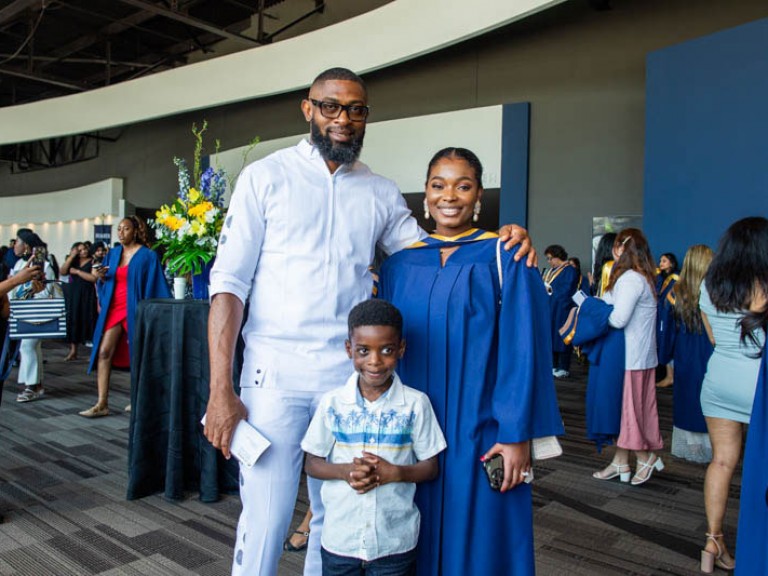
(63, 481)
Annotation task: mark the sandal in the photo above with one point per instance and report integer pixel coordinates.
(709, 560)
(611, 471)
(645, 469)
(288, 545)
(29, 394)
(95, 412)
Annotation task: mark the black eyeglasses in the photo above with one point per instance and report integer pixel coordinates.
(333, 110)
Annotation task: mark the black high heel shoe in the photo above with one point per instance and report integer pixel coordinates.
(288, 545)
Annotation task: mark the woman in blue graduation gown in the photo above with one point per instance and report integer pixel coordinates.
(753, 507)
(482, 353)
(666, 278)
(131, 272)
(752, 533)
(561, 280)
(687, 344)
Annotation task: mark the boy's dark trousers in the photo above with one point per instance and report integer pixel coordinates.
(395, 565)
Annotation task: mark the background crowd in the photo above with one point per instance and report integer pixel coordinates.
(705, 328)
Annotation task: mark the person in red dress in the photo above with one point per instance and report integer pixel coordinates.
(130, 273)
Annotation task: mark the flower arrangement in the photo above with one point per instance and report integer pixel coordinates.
(189, 228)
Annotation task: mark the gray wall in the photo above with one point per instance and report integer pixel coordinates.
(583, 72)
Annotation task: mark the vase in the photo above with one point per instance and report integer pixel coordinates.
(179, 287)
(200, 282)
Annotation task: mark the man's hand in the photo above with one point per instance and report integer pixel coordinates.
(517, 462)
(513, 234)
(223, 414)
(225, 410)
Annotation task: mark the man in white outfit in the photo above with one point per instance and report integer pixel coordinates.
(299, 237)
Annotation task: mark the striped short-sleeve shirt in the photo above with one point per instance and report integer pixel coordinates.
(399, 427)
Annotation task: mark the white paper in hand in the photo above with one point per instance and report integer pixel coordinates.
(579, 297)
(247, 443)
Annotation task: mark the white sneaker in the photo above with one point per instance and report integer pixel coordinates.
(560, 373)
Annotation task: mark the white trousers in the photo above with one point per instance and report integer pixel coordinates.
(268, 489)
(31, 362)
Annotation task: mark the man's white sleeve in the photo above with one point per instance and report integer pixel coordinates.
(401, 230)
(241, 237)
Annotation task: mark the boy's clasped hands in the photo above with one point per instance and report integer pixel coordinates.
(369, 472)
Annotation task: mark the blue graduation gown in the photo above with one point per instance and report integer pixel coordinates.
(665, 329)
(145, 280)
(690, 352)
(484, 358)
(665, 317)
(563, 286)
(751, 548)
(604, 346)
(583, 284)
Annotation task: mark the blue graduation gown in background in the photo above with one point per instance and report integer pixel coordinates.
(690, 353)
(145, 280)
(563, 286)
(484, 358)
(665, 317)
(752, 537)
(604, 346)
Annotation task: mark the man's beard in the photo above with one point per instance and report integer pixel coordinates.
(336, 152)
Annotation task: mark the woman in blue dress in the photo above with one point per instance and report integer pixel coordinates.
(736, 283)
(481, 350)
(688, 346)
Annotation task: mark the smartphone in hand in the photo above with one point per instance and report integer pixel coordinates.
(494, 469)
(38, 257)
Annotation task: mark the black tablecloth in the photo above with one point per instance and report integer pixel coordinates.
(169, 392)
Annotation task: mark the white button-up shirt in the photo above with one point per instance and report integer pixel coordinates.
(401, 428)
(299, 241)
(634, 310)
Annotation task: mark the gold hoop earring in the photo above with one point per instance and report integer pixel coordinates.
(476, 215)
(426, 210)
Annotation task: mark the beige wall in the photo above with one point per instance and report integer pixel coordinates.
(582, 70)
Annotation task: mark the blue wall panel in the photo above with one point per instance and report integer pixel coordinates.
(706, 147)
(513, 203)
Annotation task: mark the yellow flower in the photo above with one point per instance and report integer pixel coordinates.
(193, 195)
(173, 222)
(197, 228)
(199, 210)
